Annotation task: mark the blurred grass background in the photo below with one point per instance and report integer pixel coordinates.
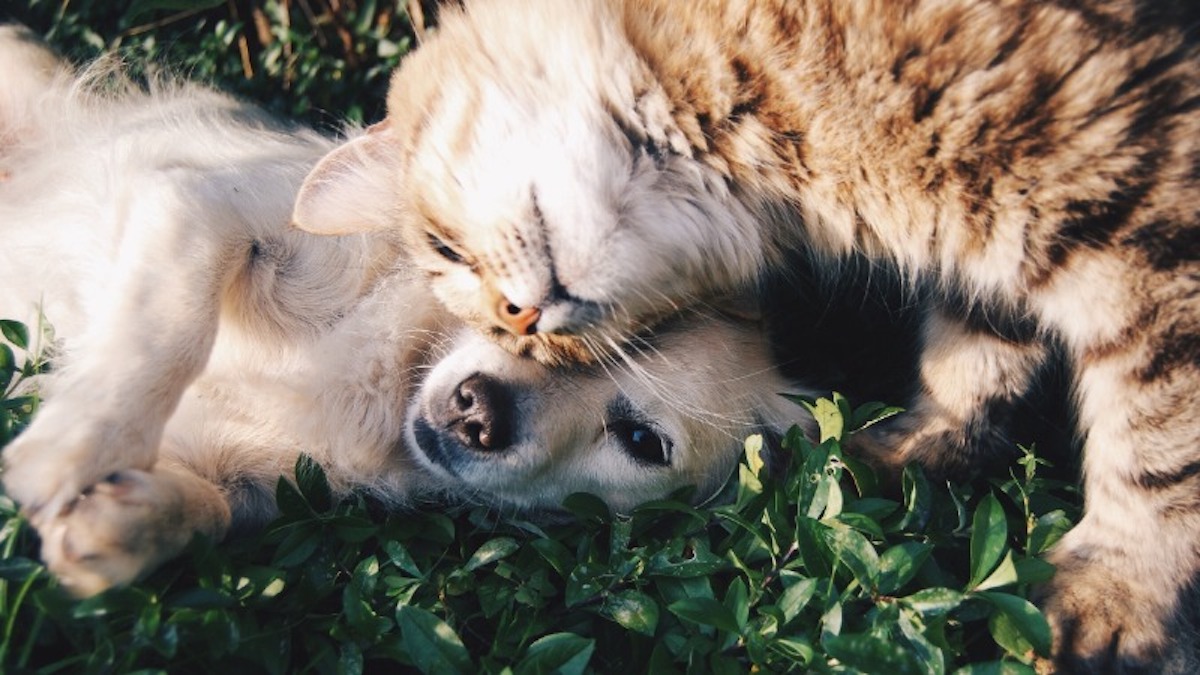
(317, 61)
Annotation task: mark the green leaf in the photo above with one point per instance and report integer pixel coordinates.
(310, 479)
(8, 366)
(587, 507)
(869, 414)
(918, 500)
(360, 617)
(15, 332)
(872, 654)
(353, 528)
(866, 481)
(795, 597)
(705, 612)
(931, 659)
(584, 583)
(752, 448)
(564, 653)
(854, 551)
(1025, 618)
(796, 649)
(864, 524)
(559, 556)
(290, 501)
(431, 643)
(491, 551)
(699, 561)
(350, 661)
(737, 599)
(671, 506)
(1034, 571)
(400, 557)
(811, 544)
(1004, 574)
(899, 564)
(829, 418)
(632, 609)
(1050, 527)
(18, 569)
(989, 533)
(299, 545)
(934, 601)
(1006, 634)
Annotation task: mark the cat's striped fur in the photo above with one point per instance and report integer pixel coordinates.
(572, 171)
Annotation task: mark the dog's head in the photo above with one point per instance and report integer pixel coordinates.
(674, 413)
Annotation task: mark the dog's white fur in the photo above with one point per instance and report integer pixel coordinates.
(202, 343)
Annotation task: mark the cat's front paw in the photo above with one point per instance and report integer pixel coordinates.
(941, 445)
(1107, 622)
(115, 531)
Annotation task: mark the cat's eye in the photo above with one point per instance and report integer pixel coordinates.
(641, 442)
(443, 249)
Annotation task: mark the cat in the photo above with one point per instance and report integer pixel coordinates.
(568, 173)
(201, 345)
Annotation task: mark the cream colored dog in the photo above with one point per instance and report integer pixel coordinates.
(202, 343)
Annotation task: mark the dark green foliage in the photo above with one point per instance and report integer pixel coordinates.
(811, 570)
(320, 61)
(21, 356)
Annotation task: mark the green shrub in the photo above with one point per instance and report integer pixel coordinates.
(815, 569)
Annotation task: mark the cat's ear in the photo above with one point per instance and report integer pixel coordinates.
(352, 189)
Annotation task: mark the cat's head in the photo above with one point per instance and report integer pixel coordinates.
(536, 174)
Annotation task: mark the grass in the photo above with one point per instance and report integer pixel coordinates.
(814, 569)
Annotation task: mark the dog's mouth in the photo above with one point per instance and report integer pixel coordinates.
(429, 441)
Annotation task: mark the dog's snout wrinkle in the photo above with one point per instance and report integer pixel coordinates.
(481, 413)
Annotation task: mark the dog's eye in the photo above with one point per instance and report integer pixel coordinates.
(641, 442)
(443, 249)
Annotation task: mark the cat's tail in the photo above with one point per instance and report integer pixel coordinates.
(30, 71)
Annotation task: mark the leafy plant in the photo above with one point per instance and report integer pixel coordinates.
(813, 569)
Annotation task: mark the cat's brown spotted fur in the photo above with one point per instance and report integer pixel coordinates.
(595, 165)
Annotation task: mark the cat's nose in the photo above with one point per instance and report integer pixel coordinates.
(482, 410)
(518, 320)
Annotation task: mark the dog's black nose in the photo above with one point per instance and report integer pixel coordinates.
(481, 409)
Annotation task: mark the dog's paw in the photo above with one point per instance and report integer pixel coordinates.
(115, 531)
(61, 454)
(1106, 622)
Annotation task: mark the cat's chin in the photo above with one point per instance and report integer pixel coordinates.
(551, 349)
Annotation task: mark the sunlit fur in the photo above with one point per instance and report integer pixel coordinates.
(603, 162)
(202, 344)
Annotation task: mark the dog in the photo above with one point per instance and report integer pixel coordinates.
(200, 343)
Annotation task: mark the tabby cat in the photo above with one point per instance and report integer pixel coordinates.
(572, 172)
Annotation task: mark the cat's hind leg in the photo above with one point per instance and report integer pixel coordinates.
(1122, 598)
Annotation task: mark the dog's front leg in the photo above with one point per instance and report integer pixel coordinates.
(125, 526)
(151, 327)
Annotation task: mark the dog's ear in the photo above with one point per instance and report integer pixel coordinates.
(352, 189)
(741, 305)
